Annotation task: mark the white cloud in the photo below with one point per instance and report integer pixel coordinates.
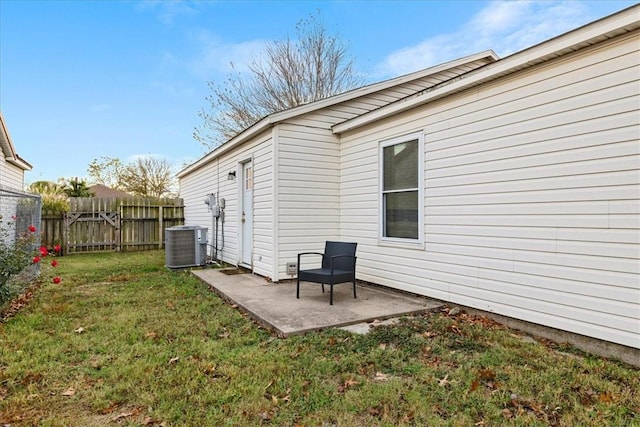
(167, 11)
(173, 88)
(100, 108)
(503, 26)
(216, 57)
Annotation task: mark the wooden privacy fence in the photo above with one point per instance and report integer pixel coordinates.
(111, 224)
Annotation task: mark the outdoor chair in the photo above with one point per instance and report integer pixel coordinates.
(338, 266)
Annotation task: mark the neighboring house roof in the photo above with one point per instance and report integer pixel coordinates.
(100, 190)
(606, 28)
(453, 68)
(8, 150)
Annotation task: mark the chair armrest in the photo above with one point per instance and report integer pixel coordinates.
(342, 256)
(308, 253)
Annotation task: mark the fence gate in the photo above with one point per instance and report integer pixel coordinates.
(112, 224)
(92, 231)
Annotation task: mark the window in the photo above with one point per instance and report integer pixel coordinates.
(248, 178)
(401, 189)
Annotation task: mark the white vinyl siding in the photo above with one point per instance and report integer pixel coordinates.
(532, 195)
(213, 178)
(11, 176)
(308, 202)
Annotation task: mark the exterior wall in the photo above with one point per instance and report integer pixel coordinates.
(307, 192)
(307, 188)
(213, 178)
(532, 196)
(10, 175)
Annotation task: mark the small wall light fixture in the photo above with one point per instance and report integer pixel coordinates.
(232, 176)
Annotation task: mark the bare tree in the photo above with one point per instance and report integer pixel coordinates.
(147, 176)
(106, 171)
(292, 73)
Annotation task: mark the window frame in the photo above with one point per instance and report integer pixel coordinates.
(402, 241)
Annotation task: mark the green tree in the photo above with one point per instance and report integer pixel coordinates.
(292, 72)
(77, 188)
(52, 195)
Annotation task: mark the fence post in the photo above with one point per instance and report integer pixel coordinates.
(160, 224)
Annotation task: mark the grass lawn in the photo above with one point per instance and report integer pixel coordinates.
(124, 341)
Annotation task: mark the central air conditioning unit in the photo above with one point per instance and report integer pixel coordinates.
(185, 246)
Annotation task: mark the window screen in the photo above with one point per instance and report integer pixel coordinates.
(400, 192)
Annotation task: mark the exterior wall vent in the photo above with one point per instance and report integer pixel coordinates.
(185, 246)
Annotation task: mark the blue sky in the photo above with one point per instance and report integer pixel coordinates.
(80, 80)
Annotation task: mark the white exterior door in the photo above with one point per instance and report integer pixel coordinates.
(246, 220)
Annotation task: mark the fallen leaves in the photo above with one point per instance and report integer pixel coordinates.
(348, 383)
(69, 392)
(487, 377)
(151, 335)
(444, 381)
(380, 376)
(18, 303)
(590, 397)
(132, 413)
(472, 319)
(275, 399)
(518, 407)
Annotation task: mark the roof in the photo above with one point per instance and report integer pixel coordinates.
(100, 190)
(603, 29)
(275, 118)
(8, 150)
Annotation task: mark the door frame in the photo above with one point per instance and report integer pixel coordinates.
(241, 208)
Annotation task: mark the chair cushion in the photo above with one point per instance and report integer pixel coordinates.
(323, 275)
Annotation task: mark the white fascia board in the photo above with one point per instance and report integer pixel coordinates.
(279, 117)
(616, 24)
(21, 163)
(6, 145)
(247, 134)
(489, 55)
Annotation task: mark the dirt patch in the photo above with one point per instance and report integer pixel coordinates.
(232, 271)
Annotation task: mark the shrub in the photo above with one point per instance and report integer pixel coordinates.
(17, 252)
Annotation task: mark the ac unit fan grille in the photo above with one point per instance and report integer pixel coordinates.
(183, 248)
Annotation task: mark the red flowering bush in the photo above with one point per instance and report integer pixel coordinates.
(44, 252)
(16, 254)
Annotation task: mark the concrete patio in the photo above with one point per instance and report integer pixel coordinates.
(275, 306)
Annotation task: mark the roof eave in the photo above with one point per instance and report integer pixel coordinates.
(557, 46)
(488, 55)
(20, 162)
(9, 150)
(242, 137)
(278, 117)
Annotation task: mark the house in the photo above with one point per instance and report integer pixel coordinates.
(101, 190)
(12, 166)
(506, 185)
